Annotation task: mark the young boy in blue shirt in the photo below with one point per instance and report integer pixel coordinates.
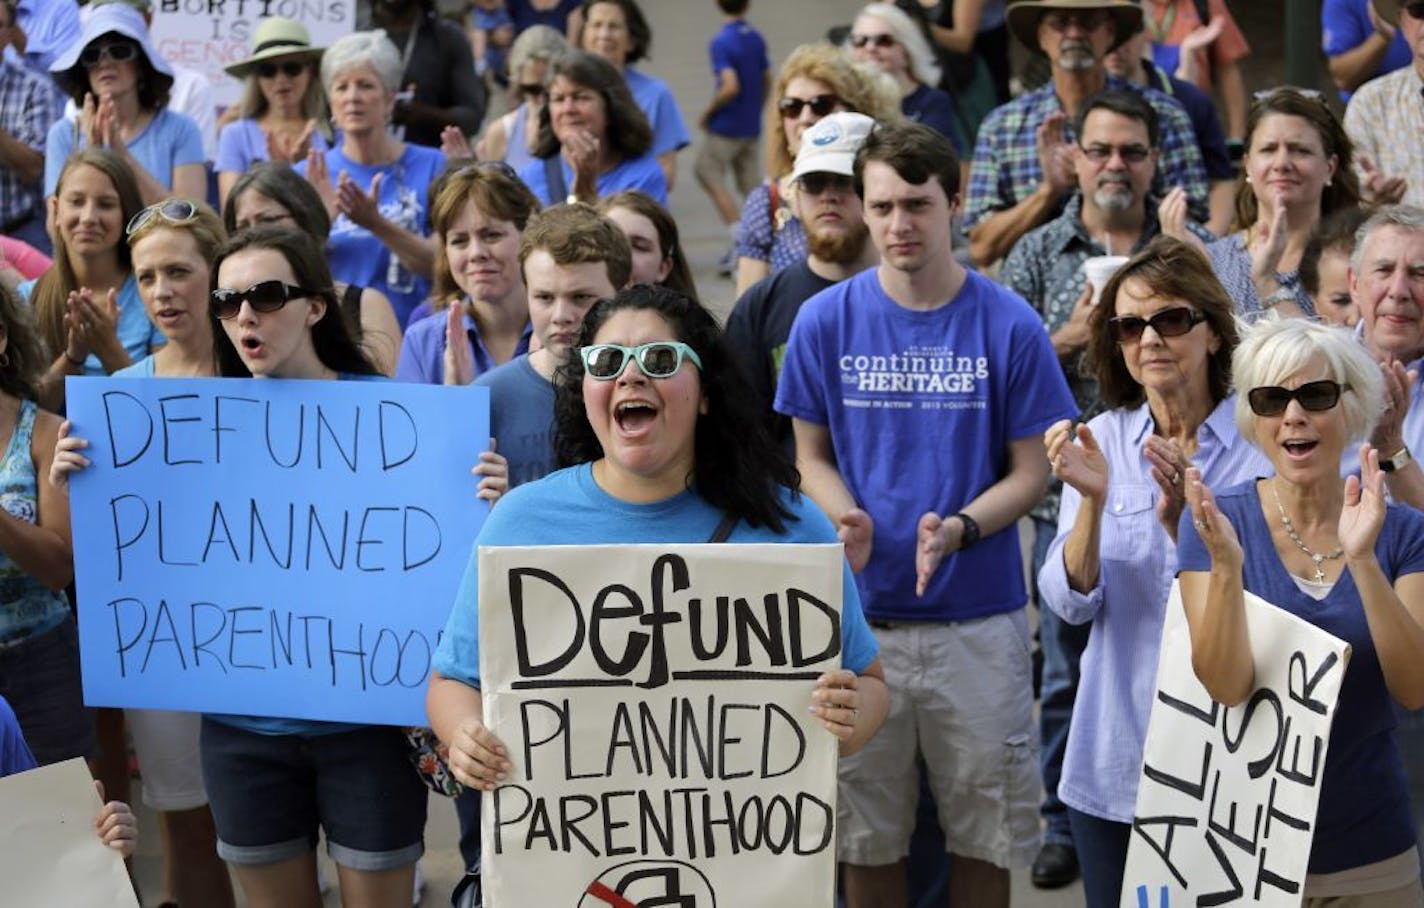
(732, 120)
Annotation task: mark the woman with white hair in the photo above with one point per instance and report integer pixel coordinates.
(885, 37)
(512, 137)
(374, 185)
(1334, 554)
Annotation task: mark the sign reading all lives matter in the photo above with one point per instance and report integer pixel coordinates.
(1227, 798)
(208, 35)
(654, 701)
(271, 548)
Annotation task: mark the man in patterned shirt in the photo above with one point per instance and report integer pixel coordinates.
(1385, 109)
(1023, 161)
(1111, 209)
(25, 117)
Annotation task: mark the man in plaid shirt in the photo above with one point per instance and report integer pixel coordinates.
(25, 117)
(1023, 168)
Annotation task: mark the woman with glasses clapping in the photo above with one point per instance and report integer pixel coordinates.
(1335, 554)
(1160, 347)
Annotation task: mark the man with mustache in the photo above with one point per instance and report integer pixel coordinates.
(1111, 210)
(1022, 171)
(837, 240)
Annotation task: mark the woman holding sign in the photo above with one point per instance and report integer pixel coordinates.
(1336, 555)
(1160, 344)
(659, 425)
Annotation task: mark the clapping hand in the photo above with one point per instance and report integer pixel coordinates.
(1216, 532)
(1362, 514)
(1081, 465)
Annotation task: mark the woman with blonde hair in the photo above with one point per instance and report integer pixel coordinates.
(815, 80)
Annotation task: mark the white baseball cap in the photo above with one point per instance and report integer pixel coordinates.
(829, 145)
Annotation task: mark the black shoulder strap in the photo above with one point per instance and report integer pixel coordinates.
(1203, 12)
(724, 529)
(554, 177)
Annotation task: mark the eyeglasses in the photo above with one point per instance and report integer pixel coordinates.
(1101, 154)
(1315, 396)
(885, 40)
(1173, 322)
(1061, 22)
(290, 68)
(265, 296)
(174, 211)
(821, 105)
(659, 359)
(119, 52)
(531, 89)
(817, 183)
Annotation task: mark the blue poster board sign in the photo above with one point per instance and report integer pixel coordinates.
(271, 548)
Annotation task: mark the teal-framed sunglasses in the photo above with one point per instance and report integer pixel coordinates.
(659, 359)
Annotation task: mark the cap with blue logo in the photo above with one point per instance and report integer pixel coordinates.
(829, 145)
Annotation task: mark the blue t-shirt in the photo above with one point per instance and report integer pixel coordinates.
(138, 335)
(522, 418)
(655, 99)
(568, 508)
(1345, 25)
(740, 48)
(242, 143)
(170, 140)
(921, 407)
(632, 173)
(932, 107)
(1364, 812)
(15, 754)
(525, 14)
(141, 369)
(356, 255)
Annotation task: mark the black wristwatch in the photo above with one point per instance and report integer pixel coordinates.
(1398, 461)
(971, 530)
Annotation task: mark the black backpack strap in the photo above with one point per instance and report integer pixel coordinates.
(724, 529)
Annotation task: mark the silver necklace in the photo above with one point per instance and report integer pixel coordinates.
(1317, 557)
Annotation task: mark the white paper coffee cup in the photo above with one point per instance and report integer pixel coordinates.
(1099, 270)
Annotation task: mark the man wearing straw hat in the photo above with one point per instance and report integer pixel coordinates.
(1022, 171)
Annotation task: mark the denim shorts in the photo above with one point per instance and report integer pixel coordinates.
(270, 794)
(40, 678)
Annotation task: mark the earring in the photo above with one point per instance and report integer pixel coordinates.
(1329, 182)
(1248, 181)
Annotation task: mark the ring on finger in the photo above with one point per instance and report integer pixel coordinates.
(1199, 524)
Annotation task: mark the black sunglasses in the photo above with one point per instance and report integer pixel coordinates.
(877, 40)
(290, 68)
(1272, 400)
(531, 89)
(1173, 322)
(821, 105)
(264, 296)
(818, 182)
(1415, 10)
(119, 52)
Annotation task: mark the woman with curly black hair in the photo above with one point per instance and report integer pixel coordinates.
(657, 428)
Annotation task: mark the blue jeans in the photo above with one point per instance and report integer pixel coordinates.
(1102, 855)
(1062, 644)
(467, 811)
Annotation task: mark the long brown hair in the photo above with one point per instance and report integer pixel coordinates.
(51, 291)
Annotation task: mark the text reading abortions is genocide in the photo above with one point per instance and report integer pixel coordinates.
(654, 701)
(247, 532)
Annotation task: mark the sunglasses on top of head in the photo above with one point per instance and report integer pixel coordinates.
(821, 105)
(289, 68)
(659, 359)
(1315, 396)
(264, 296)
(1173, 322)
(174, 211)
(119, 52)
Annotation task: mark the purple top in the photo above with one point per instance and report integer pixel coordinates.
(422, 354)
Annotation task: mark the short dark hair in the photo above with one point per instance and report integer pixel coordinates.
(1334, 233)
(628, 129)
(1173, 269)
(576, 234)
(25, 359)
(640, 34)
(736, 465)
(333, 336)
(733, 7)
(283, 185)
(915, 151)
(1125, 103)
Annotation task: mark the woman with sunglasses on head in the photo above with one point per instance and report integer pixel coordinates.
(480, 316)
(652, 233)
(1335, 554)
(816, 80)
(273, 193)
(885, 37)
(374, 185)
(1298, 168)
(690, 455)
(282, 114)
(120, 84)
(1160, 343)
(87, 306)
(511, 138)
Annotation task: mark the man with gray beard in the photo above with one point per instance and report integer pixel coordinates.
(1111, 212)
(837, 240)
(1023, 167)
